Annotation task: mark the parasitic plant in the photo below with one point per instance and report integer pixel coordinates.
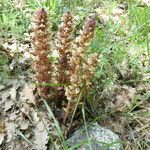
(63, 46)
(82, 68)
(42, 49)
(74, 69)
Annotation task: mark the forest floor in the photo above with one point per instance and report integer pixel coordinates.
(120, 99)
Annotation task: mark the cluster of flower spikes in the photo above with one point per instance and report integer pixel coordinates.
(74, 69)
(82, 68)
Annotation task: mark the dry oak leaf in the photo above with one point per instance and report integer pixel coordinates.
(2, 127)
(24, 124)
(8, 105)
(2, 87)
(4, 96)
(13, 93)
(27, 93)
(34, 117)
(10, 131)
(41, 136)
(18, 144)
(2, 132)
(14, 115)
(2, 135)
(124, 97)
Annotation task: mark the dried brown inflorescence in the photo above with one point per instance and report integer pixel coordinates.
(43, 66)
(75, 69)
(81, 67)
(63, 46)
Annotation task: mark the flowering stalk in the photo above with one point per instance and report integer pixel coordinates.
(81, 71)
(63, 45)
(43, 66)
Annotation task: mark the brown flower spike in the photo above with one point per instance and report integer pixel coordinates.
(63, 45)
(43, 66)
(81, 70)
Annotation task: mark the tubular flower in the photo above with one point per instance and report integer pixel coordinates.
(42, 66)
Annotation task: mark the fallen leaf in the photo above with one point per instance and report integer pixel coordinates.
(2, 127)
(10, 131)
(13, 93)
(2, 87)
(27, 93)
(124, 97)
(14, 115)
(34, 117)
(41, 135)
(17, 144)
(2, 135)
(24, 125)
(4, 96)
(119, 125)
(8, 105)
(2, 132)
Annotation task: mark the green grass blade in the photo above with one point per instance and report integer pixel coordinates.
(85, 125)
(51, 115)
(78, 144)
(23, 136)
(148, 49)
(74, 111)
(49, 84)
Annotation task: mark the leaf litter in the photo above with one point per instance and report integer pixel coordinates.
(19, 112)
(18, 108)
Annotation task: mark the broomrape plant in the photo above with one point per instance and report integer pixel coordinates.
(74, 69)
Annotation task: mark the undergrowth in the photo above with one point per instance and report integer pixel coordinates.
(124, 50)
(4, 69)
